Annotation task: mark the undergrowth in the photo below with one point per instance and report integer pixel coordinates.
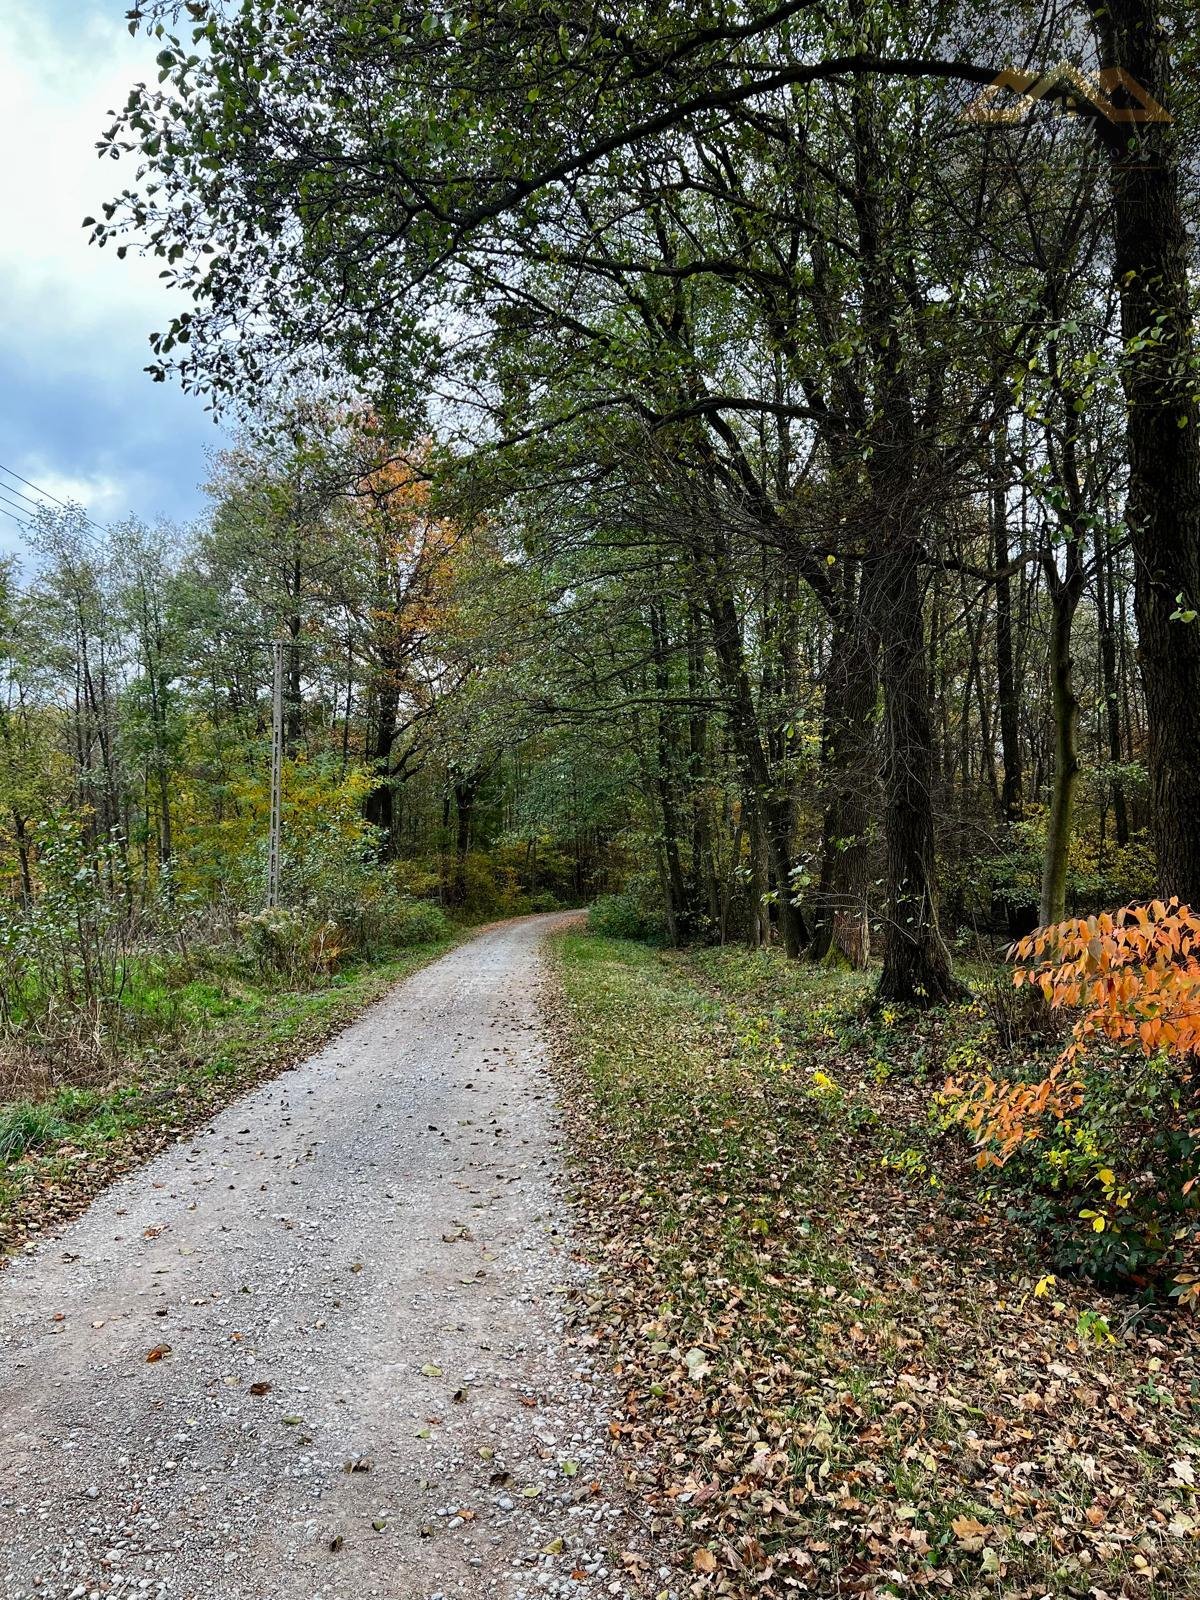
(844, 1370)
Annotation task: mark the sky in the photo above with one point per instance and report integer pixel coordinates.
(78, 415)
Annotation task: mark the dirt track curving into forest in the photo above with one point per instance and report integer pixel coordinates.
(322, 1346)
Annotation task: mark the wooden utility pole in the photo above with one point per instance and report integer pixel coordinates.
(276, 778)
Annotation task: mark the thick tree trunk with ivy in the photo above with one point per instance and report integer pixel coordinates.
(379, 802)
(916, 962)
(1152, 255)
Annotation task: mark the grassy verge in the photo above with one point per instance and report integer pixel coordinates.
(843, 1374)
(227, 1032)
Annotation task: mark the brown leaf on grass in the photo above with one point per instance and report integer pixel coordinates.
(883, 1362)
(970, 1532)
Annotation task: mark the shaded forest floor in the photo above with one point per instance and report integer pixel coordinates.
(67, 1132)
(845, 1370)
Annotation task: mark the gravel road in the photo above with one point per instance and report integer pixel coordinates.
(320, 1347)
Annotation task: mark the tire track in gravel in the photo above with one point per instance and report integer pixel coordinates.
(362, 1274)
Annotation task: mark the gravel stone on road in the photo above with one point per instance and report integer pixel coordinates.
(319, 1348)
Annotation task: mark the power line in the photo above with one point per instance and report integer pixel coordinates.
(16, 507)
(17, 513)
(9, 488)
(46, 495)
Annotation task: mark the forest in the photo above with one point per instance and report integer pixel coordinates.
(734, 467)
(861, 404)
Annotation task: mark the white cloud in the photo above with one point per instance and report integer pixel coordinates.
(78, 415)
(63, 68)
(103, 494)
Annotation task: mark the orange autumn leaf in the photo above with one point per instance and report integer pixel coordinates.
(1134, 977)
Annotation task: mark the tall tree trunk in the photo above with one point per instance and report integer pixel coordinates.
(842, 924)
(466, 793)
(678, 916)
(1109, 687)
(1151, 258)
(293, 718)
(379, 804)
(772, 801)
(681, 918)
(1006, 683)
(704, 891)
(916, 962)
(1052, 906)
(760, 921)
(21, 834)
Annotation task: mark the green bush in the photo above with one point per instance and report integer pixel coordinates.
(406, 922)
(1106, 1188)
(624, 916)
(545, 900)
(415, 880)
(292, 943)
(489, 888)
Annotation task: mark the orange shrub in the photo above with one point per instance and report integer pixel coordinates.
(1134, 976)
(1102, 1125)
